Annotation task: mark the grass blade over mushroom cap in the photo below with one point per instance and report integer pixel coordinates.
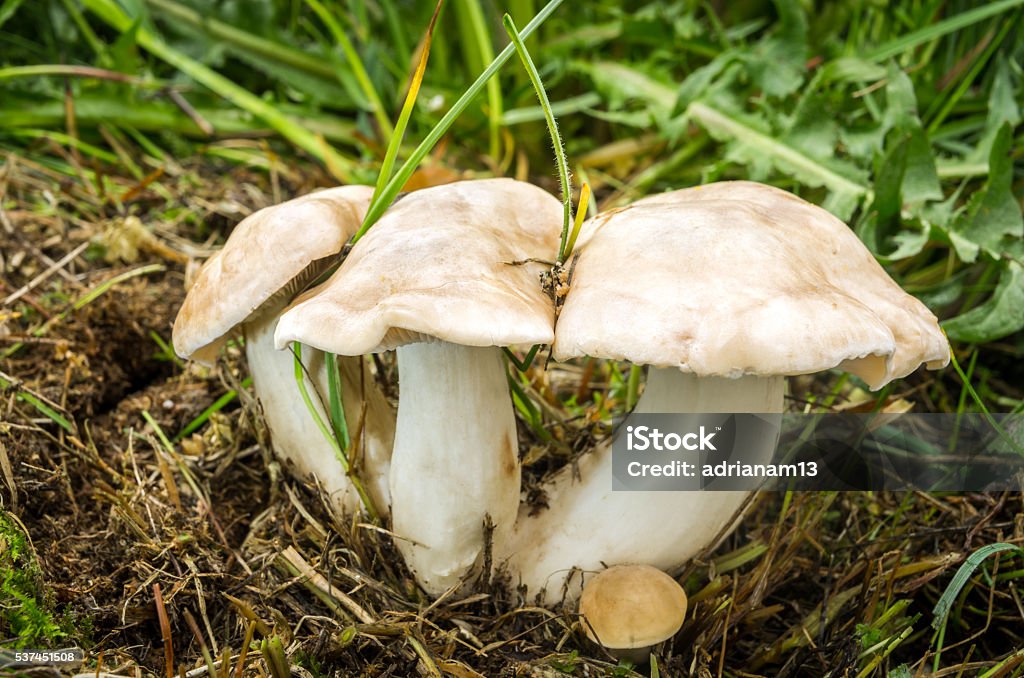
(728, 288)
(268, 258)
(437, 278)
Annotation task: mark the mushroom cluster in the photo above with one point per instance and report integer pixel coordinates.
(721, 290)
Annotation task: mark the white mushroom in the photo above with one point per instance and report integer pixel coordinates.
(444, 278)
(268, 258)
(723, 290)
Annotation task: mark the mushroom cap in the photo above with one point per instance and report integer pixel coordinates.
(632, 606)
(444, 263)
(738, 278)
(264, 254)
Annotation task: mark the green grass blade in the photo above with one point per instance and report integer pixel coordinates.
(204, 416)
(95, 44)
(245, 41)
(79, 72)
(524, 364)
(484, 50)
(7, 10)
(415, 81)
(161, 117)
(307, 399)
(984, 410)
(380, 112)
(937, 30)
(111, 13)
(633, 386)
(340, 452)
(937, 114)
(960, 579)
(556, 138)
(337, 405)
(67, 140)
(396, 183)
(582, 102)
(43, 408)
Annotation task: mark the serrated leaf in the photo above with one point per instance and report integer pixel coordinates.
(1000, 316)
(908, 243)
(993, 212)
(941, 214)
(759, 149)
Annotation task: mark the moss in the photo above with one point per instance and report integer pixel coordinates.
(26, 616)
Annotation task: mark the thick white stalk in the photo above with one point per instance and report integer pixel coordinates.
(455, 461)
(296, 439)
(587, 526)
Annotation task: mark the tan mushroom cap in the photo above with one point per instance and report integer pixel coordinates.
(440, 264)
(632, 606)
(738, 278)
(264, 253)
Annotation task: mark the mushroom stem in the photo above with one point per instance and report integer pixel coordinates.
(294, 437)
(455, 462)
(587, 525)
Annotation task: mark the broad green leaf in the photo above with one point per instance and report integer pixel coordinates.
(812, 129)
(778, 63)
(919, 181)
(882, 217)
(863, 143)
(993, 212)
(1000, 316)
